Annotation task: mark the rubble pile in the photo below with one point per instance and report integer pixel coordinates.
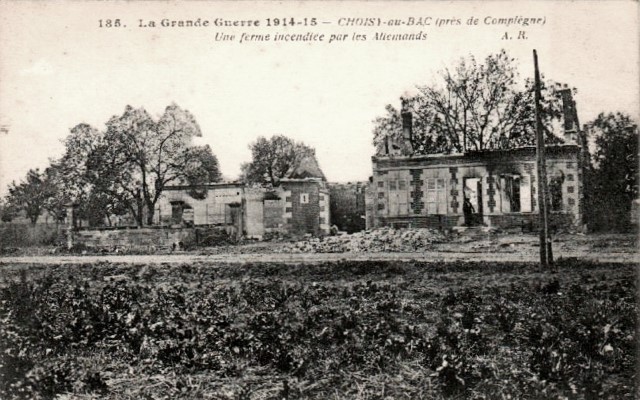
(379, 240)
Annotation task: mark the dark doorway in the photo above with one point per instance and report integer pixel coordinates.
(473, 199)
(176, 212)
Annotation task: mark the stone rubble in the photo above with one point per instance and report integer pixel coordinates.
(379, 240)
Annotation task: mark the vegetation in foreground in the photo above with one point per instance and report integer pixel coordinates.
(372, 330)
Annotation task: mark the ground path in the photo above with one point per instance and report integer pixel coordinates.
(178, 258)
(619, 248)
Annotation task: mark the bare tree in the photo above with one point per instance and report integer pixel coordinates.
(477, 106)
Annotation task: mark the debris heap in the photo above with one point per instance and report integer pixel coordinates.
(379, 240)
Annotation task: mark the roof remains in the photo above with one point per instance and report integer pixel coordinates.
(308, 167)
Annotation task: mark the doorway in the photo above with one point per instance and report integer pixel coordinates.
(473, 193)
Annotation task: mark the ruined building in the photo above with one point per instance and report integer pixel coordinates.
(500, 186)
(298, 206)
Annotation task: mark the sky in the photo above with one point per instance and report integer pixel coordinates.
(59, 68)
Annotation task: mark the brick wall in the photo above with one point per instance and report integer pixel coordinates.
(302, 217)
(417, 195)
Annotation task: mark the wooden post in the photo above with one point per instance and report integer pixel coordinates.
(70, 225)
(546, 254)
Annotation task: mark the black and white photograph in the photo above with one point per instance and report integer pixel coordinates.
(319, 199)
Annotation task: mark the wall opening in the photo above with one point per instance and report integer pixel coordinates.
(473, 192)
(555, 192)
(511, 193)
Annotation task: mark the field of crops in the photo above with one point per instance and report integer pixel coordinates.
(366, 330)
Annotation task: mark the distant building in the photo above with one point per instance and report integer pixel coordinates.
(298, 206)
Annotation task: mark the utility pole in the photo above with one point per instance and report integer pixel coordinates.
(546, 254)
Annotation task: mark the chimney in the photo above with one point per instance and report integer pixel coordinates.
(570, 116)
(631, 128)
(407, 124)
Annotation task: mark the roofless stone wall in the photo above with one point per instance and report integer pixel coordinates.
(147, 239)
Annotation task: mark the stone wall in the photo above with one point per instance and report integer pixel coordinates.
(530, 222)
(254, 224)
(145, 239)
(370, 204)
(211, 208)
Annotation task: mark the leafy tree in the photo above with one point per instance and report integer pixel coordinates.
(202, 168)
(76, 181)
(31, 194)
(123, 169)
(126, 168)
(71, 171)
(145, 155)
(7, 211)
(109, 175)
(56, 203)
(272, 158)
(477, 106)
(613, 177)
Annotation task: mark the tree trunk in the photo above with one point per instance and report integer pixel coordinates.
(140, 207)
(140, 215)
(151, 209)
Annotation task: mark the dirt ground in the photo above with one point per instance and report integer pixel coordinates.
(466, 246)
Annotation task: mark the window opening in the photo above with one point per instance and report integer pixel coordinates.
(555, 192)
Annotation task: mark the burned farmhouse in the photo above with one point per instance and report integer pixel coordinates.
(494, 188)
(498, 186)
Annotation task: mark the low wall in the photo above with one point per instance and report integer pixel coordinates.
(524, 222)
(423, 221)
(151, 238)
(530, 222)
